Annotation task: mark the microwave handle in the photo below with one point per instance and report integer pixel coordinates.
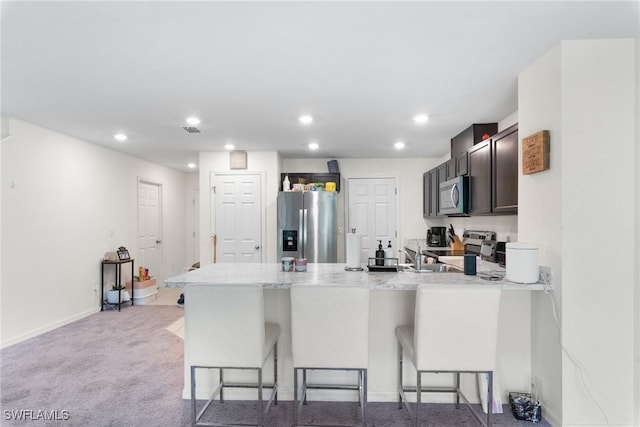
(454, 188)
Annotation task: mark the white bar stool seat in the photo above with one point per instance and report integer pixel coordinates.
(455, 331)
(225, 330)
(329, 331)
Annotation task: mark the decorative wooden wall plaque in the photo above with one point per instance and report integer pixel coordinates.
(535, 152)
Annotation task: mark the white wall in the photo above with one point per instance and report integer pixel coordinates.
(65, 203)
(584, 93)
(637, 239)
(192, 218)
(539, 212)
(266, 162)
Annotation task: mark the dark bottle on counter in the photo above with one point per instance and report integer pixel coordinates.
(380, 254)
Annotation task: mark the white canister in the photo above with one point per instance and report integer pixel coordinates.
(287, 263)
(301, 264)
(522, 263)
(388, 254)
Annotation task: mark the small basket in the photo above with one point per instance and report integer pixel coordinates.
(525, 407)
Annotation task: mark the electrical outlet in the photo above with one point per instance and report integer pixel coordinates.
(547, 275)
(535, 387)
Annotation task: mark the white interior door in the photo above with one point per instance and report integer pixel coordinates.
(372, 212)
(150, 229)
(238, 217)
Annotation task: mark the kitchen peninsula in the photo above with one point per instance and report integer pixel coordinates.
(392, 304)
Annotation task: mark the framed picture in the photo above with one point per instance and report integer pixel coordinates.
(123, 254)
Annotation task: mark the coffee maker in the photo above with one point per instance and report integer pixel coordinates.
(437, 236)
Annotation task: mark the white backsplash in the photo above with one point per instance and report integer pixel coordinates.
(505, 226)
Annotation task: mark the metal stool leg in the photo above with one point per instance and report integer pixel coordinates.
(399, 376)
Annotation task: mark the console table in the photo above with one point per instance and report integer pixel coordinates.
(118, 267)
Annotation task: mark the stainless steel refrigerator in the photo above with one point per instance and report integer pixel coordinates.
(308, 225)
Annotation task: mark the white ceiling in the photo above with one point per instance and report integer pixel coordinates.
(248, 69)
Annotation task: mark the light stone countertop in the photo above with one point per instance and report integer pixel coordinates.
(271, 276)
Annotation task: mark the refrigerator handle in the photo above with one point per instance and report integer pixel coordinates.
(300, 231)
(304, 232)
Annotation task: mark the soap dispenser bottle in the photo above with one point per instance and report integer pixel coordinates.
(388, 254)
(380, 254)
(418, 261)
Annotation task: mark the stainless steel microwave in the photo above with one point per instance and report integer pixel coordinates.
(454, 196)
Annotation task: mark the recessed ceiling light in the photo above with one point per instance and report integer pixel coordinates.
(193, 121)
(305, 119)
(399, 145)
(191, 165)
(313, 146)
(120, 136)
(229, 146)
(420, 119)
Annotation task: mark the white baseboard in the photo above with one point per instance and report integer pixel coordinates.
(47, 328)
(550, 416)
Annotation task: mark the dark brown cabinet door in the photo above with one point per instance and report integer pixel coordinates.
(426, 195)
(461, 164)
(441, 173)
(435, 193)
(480, 178)
(505, 172)
(451, 168)
(430, 193)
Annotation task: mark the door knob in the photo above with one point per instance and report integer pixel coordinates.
(257, 247)
(158, 241)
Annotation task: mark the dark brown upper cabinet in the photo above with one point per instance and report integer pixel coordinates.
(480, 178)
(504, 170)
(426, 194)
(493, 174)
(451, 168)
(471, 136)
(307, 178)
(430, 187)
(462, 161)
(434, 194)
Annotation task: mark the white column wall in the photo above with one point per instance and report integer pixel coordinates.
(539, 212)
(66, 202)
(598, 116)
(584, 93)
(637, 240)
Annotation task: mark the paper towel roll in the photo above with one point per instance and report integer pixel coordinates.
(354, 249)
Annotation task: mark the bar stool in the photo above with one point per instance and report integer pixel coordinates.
(455, 331)
(225, 330)
(329, 331)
